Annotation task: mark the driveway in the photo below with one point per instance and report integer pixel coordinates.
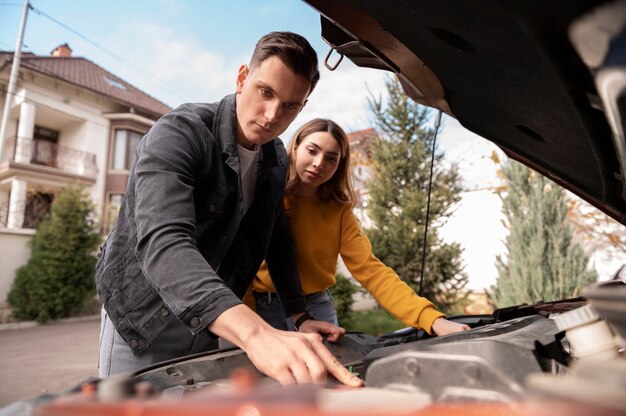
(47, 358)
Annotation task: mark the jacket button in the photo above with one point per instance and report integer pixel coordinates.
(164, 312)
(195, 321)
(211, 208)
(134, 343)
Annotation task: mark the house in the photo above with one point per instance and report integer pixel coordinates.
(360, 161)
(70, 122)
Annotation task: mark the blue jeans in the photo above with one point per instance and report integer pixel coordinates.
(116, 357)
(320, 305)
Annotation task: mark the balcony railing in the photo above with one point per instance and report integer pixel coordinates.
(43, 152)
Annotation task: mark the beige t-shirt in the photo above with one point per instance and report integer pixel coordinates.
(250, 161)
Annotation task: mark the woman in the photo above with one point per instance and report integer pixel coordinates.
(319, 199)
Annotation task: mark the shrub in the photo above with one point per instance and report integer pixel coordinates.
(374, 322)
(342, 293)
(58, 280)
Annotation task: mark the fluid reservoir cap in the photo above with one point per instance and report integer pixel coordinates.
(576, 317)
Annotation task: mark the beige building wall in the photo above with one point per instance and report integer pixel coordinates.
(15, 253)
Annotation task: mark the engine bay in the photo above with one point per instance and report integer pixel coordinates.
(520, 360)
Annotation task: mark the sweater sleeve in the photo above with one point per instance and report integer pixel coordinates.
(398, 298)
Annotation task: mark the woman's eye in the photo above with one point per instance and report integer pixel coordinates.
(291, 107)
(265, 92)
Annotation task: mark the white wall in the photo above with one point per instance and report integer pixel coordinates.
(15, 253)
(476, 225)
(83, 128)
(91, 136)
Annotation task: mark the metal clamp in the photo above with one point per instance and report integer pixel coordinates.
(332, 67)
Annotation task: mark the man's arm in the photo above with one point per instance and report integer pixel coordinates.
(289, 357)
(165, 179)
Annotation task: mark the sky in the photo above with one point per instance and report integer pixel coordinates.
(190, 50)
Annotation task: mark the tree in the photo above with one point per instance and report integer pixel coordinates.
(544, 262)
(597, 230)
(58, 280)
(398, 198)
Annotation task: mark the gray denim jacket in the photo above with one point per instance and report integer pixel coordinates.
(181, 248)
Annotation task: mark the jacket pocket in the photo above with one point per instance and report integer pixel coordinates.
(215, 202)
(131, 293)
(212, 211)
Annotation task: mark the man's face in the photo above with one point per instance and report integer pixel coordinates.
(268, 99)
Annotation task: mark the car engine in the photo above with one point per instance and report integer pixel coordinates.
(546, 358)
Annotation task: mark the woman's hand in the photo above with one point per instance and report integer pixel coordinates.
(442, 326)
(331, 332)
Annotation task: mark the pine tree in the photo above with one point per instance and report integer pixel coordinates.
(58, 280)
(543, 263)
(398, 199)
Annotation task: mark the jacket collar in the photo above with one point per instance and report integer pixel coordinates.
(225, 124)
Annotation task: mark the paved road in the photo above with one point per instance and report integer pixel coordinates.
(52, 357)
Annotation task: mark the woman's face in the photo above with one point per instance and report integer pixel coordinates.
(316, 158)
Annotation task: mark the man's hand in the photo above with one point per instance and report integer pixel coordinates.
(442, 326)
(332, 332)
(287, 356)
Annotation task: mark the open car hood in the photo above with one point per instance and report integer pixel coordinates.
(511, 73)
(545, 81)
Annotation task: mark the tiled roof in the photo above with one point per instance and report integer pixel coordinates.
(360, 142)
(362, 135)
(84, 73)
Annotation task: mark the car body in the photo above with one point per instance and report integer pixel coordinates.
(545, 81)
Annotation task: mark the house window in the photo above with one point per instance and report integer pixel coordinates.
(37, 206)
(43, 133)
(44, 150)
(124, 146)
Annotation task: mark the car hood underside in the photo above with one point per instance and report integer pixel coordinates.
(509, 72)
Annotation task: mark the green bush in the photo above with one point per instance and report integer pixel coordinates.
(58, 280)
(342, 293)
(374, 322)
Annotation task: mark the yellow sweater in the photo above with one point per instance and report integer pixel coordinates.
(322, 231)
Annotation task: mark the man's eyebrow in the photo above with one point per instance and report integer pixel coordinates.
(266, 86)
(261, 84)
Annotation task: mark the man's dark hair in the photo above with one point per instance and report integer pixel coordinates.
(293, 50)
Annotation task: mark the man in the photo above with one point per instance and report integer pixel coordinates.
(203, 208)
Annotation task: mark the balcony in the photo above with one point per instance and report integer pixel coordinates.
(37, 157)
